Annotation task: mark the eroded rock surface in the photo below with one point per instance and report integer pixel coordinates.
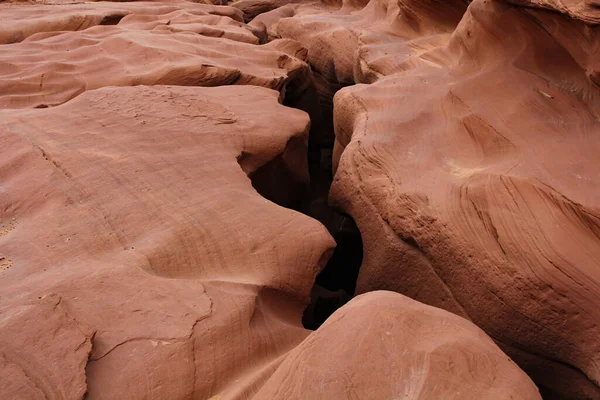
(127, 203)
(383, 337)
(145, 247)
(18, 22)
(585, 10)
(472, 178)
(178, 48)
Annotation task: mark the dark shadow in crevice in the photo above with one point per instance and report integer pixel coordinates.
(276, 183)
(283, 179)
(112, 19)
(336, 284)
(341, 272)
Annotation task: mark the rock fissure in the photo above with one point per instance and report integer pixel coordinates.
(449, 159)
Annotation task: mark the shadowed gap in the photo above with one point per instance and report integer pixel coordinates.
(336, 283)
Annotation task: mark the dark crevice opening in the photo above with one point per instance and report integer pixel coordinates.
(281, 183)
(341, 272)
(336, 283)
(112, 19)
(268, 179)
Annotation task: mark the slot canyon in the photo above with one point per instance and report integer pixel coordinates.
(300, 199)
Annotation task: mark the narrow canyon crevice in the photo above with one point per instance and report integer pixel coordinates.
(336, 283)
(188, 213)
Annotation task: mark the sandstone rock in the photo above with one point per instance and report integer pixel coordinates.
(252, 8)
(133, 208)
(473, 180)
(383, 345)
(585, 10)
(43, 351)
(18, 22)
(362, 41)
(147, 248)
(177, 48)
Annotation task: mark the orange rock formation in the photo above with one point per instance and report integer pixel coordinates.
(161, 162)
